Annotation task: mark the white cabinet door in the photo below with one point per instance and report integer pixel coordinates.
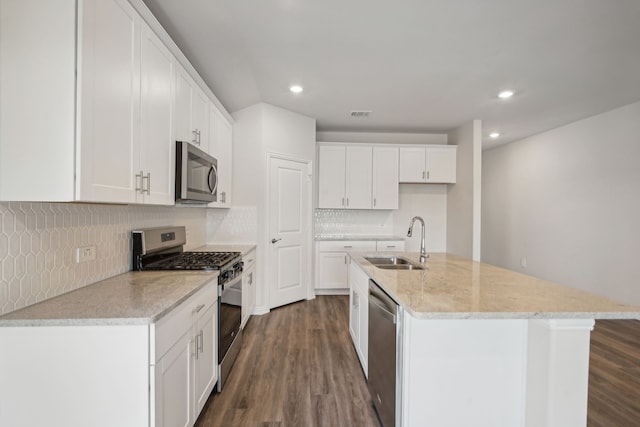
(206, 357)
(359, 313)
(359, 164)
(173, 385)
(331, 176)
(363, 312)
(184, 131)
(109, 102)
(220, 147)
(248, 292)
(354, 315)
(412, 164)
(385, 178)
(192, 111)
(200, 116)
(441, 164)
(332, 270)
(157, 143)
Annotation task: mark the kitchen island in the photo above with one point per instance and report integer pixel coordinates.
(479, 345)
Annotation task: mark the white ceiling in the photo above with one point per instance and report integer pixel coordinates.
(421, 65)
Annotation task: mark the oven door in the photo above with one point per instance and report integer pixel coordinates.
(230, 303)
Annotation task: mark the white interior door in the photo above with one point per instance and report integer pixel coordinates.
(289, 223)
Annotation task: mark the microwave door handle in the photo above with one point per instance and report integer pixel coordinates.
(213, 172)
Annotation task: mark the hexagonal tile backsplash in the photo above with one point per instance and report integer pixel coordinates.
(38, 240)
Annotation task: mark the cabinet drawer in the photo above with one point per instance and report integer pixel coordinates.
(346, 245)
(168, 330)
(249, 259)
(389, 245)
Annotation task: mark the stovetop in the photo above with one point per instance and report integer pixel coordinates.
(194, 261)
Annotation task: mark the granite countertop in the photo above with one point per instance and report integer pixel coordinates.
(133, 298)
(340, 237)
(453, 287)
(227, 247)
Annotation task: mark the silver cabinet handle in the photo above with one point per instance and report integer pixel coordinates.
(195, 136)
(274, 240)
(347, 246)
(347, 201)
(140, 187)
(223, 197)
(197, 346)
(251, 278)
(201, 348)
(427, 174)
(345, 259)
(148, 178)
(198, 308)
(423, 174)
(343, 201)
(374, 202)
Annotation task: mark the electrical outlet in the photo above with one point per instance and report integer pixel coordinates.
(86, 253)
(523, 262)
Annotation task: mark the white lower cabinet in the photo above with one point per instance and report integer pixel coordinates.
(332, 264)
(185, 368)
(248, 286)
(130, 375)
(359, 313)
(332, 261)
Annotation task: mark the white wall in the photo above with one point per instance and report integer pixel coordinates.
(568, 201)
(463, 198)
(426, 200)
(259, 130)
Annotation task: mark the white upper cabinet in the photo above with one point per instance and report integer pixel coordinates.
(331, 176)
(109, 102)
(192, 111)
(126, 129)
(220, 147)
(428, 163)
(357, 176)
(385, 177)
(101, 124)
(359, 179)
(157, 141)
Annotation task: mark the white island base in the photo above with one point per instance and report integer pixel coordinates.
(494, 372)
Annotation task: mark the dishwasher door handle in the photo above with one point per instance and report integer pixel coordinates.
(375, 302)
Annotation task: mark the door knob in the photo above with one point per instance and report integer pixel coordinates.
(274, 240)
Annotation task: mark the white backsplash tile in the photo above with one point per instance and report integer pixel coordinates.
(238, 224)
(38, 241)
(336, 222)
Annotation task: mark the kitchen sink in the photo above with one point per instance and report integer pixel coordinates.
(393, 263)
(389, 260)
(399, 267)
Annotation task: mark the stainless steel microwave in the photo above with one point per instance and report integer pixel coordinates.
(196, 175)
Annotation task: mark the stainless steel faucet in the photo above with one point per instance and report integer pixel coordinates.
(423, 250)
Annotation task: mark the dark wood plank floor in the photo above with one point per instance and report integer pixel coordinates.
(298, 368)
(614, 374)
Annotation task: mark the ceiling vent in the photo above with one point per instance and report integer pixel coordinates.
(361, 114)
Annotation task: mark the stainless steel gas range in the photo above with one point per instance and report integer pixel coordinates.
(163, 249)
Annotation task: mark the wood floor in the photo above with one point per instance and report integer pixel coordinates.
(614, 374)
(298, 368)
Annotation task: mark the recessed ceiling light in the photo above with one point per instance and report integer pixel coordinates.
(505, 94)
(295, 88)
(494, 135)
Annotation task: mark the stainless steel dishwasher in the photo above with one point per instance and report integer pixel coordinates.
(383, 315)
